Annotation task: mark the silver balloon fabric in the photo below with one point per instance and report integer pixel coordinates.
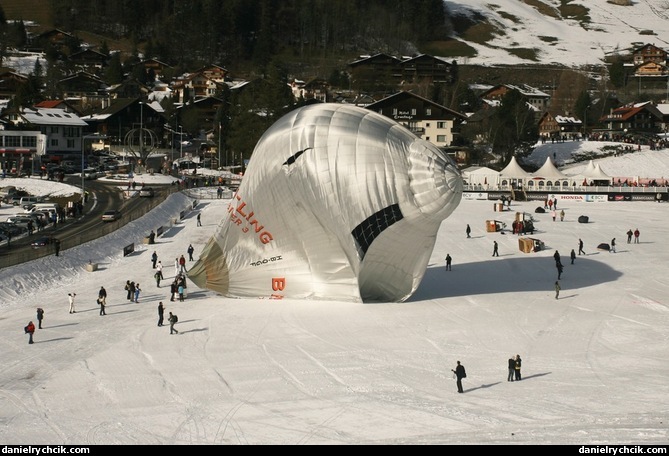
(337, 203)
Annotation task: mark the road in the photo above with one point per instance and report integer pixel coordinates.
(103, 196)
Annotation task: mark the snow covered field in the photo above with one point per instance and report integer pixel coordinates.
(595, 361)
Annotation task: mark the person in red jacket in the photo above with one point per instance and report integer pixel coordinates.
(182, 264)
(30, 329)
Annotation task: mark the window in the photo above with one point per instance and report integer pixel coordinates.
(30, 141)
(413, 111)
(394, 111)
(428, 112)
(53, 142)
(441, 125)
(441, 138)
(70, 143)
(13, 141)
(53, 130)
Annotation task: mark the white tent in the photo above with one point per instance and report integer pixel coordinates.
(480, 175)
(549, 172)
(513, 174)
(514, 171)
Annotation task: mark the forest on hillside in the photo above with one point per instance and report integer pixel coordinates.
(189, 33)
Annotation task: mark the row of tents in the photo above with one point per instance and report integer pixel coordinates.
(546, 176)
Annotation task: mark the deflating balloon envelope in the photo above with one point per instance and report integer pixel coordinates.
(337, 203)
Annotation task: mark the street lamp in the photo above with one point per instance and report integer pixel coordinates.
(83, 149)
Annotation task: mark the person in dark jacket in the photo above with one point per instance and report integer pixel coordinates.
(460, 373)
(161, 313)
(517, 367)
(512, 369)
(495, 251)
(449, 260)
(190, 251)
(128, 290)
(572, 255)
(40, 317)
(154, 259)
(468, 231)
(173, 320)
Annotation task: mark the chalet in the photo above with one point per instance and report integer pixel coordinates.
(376, 71)
(195, 86)
(426, 68)
(431, 121)
(10, 81)
(556, 126)
(54, 37)
(649, 53)
(125, 116)
(130, 88)
(86, 91)
(652, 69)
(636, 118)
(155, 66)
(535, 98)
(89, 60)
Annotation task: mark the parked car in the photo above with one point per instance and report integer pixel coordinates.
(42, 241)
(91, 173)
(146, 192)
(10, 229)
(111, 216)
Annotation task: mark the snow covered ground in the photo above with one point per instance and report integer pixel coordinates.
(243, 371)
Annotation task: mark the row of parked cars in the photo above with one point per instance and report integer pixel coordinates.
(35, 216)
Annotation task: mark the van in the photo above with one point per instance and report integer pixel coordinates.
(26, 201)
(43, 206)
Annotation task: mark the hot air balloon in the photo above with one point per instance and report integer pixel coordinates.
(337, 203)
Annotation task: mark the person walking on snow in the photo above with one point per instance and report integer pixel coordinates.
(448, 261)
(629, 236)
(562, 215)
(30, 329)
(512, 369)
(176, 267)
(613, 245)
(199, 223)
(557, 289)
(580, 247)
(40, 317)
(154, 259)
(70, 297)
(517, 367)
(573, 256)
(159, 267)
(137, 291)
(460, 373)
(182, 264)
(636, 236)
(161, 312)
(495, 251)
(173, 320)
(190, 252)
(468, 231)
